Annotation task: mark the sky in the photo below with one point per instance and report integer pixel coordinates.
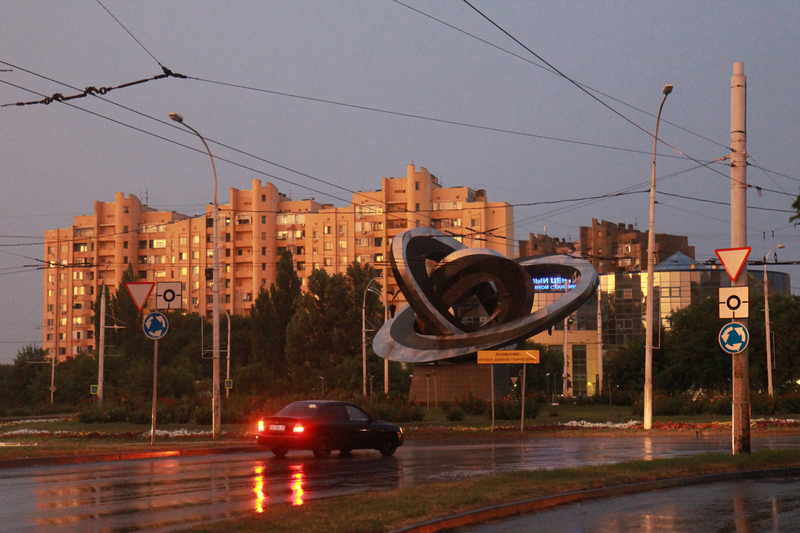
(324, 98)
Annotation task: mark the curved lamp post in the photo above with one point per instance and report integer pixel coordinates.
(766, 321)
(215, 396)
(651, 245)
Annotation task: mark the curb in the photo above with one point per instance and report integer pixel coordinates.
(127, 456)
(537, 504)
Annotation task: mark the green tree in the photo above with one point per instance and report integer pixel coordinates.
(270, 316)
(324, 335)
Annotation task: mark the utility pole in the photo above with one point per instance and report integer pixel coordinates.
(738, 157)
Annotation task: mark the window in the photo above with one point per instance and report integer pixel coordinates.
(142, 259)
(78, 291)
(77, 275)
(77, 320)
(328, 246)
(378, 242)
(195, 239)
(80, 247)
(283, 235)
(579, 370)
(343, 245)
(196, 254)
(326, 230)
(342, 229)
(161, 273)
(183, 241)
(416, 185)
(160, 243)
(125, 245)
(264, 219)
(183, 256)
(143, 274)
(328, 261)
(416, 208)
(49, 306)
(263, 267)
(239, 252)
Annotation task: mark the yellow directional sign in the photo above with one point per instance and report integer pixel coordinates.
(503, 357)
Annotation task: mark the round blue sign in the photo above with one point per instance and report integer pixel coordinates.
(734, 338)
(155, 325)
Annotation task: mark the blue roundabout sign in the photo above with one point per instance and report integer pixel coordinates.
(733, 338)
(155, 325)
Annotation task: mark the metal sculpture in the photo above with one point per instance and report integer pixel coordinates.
(444, 283)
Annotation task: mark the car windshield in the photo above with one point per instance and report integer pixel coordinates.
(305, 409)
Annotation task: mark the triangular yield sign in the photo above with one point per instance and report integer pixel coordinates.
(140, 291)
(733, 260)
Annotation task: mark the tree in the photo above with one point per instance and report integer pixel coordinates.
(270, 316)
(324, 335)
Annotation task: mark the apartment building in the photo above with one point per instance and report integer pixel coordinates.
(610, 247)
(254, 227)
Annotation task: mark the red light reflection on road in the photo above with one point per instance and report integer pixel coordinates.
(259, 489)
(297, 484)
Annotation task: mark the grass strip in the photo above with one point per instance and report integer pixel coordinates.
(394, 509)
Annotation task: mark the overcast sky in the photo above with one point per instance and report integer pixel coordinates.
(267, 74)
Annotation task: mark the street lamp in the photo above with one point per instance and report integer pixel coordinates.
(651, 246)
(322, 378)
(215, 397)
(766, 321)
(364, 330)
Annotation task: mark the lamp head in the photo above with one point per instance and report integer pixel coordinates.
(781, 246)
(667, 89)
(176, 117)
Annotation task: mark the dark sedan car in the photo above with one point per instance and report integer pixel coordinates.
(323, 426)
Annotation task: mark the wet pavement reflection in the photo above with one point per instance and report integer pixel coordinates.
(742, 507)
(164, 494)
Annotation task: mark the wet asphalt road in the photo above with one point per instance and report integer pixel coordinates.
(164, 494)
(755, 506)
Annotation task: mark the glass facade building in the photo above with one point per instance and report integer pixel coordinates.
(678, 282)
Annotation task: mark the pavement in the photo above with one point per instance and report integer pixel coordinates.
(524, 515)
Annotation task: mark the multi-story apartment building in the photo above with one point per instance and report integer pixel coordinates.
(254, 227)
(610, 247)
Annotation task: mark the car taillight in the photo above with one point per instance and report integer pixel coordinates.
(298, 428)
(260, 425)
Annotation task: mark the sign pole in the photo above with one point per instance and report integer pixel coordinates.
(155, 391)
(741, 362)
(522, 417)
(492, 373)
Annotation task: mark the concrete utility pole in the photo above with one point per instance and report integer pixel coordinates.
(738, 157)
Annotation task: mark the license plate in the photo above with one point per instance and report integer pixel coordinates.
(277, 427)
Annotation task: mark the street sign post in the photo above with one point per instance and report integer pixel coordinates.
(140, 292)
(733, 338)
(169, 295)
(502, 357)
(733, 259)
(734, 302)
(505, 357)
(155, 326)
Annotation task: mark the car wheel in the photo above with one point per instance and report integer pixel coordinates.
(323, 448)
(279, 452)
(388, 445)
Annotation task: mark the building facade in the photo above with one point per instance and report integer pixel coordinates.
(254, 228)
(610, 247)
(679, 282)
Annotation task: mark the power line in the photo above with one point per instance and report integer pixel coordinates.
(552, 71)
(132, 36)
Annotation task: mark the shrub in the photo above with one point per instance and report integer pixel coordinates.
(454, 413)
(394, 407)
